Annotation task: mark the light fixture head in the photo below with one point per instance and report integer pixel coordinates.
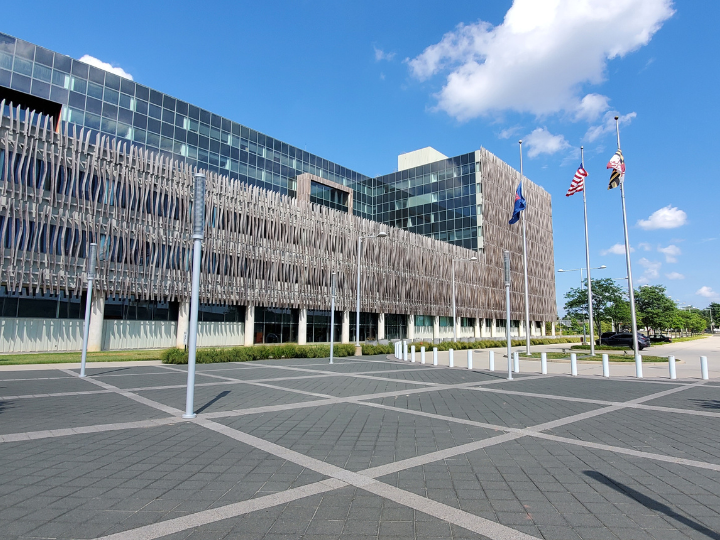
(602, 267)
(381, 234)
(560, 270)
(473, 258)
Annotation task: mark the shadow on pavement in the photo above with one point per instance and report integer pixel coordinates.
(652, 504)
(213, 400)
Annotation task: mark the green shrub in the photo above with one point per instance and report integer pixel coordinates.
(259, 352)
(377, 349)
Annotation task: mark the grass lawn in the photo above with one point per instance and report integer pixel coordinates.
(681, 339)
(598, 357)
(69, 357)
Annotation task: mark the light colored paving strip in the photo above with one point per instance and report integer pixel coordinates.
(140, 399)
(172, 526)
(50, 434)
(56, 394)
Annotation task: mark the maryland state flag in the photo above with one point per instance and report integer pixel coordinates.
(617, 164)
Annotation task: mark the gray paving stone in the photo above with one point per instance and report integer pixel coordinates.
(491, 408)
(683, 436)
(345, 386)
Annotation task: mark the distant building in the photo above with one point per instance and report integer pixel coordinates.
(88, 156)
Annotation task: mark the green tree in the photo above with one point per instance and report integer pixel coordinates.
(655, 307)
(608, 303)
(713, 312)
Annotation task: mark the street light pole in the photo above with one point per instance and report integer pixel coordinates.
(91, 261)
(381, 234)
(473, 258)
(332, 315)
(198, 228)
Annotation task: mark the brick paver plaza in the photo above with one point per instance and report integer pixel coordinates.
(366, 448)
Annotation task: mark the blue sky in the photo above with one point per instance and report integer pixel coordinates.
(360, 83)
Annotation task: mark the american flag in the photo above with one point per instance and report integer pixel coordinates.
(578, 182)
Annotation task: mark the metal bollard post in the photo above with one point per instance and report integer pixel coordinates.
(671, 366)
(434, 356)
(412, 353)
(396, 353)
(606, 365)
(573, 364)
(491, 360)
(516, 362)
(638, 366)
(404, 349)
(469, 358)
(704, 368)
(451, 361)
(422, 355)
(543, 363)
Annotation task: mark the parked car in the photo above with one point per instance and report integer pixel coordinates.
(623, 339)
(660, 338)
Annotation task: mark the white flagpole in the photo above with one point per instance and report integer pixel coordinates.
(522, 216)
(587, 258)
(631, 291)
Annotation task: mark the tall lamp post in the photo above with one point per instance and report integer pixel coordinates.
(381, 234)
(588, 308)
(91, 263)
(198, 228)
(473, 258)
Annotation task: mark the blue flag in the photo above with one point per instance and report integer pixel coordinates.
(519, 205)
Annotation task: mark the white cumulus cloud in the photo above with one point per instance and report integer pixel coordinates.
(645, 246)
(652, 270)
(541, 141)
(608, 125)
(91, 60)
(674, 275)
(539, 58)
(617, 249)
(382, 55)
(591, 107)
(669, 217)
(707, 292)
(671, 253)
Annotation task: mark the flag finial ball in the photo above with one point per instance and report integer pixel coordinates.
(520, 141)
(617, 117)
(582, 148)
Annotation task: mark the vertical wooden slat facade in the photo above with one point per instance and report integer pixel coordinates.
(62, 190)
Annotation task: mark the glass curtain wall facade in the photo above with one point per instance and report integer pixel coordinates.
(276, 325)
(368, 326)
(43, 305)
(395, 326)
(318, 326)
(106, 103)
(439, 199)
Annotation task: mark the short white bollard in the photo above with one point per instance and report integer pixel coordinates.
(516, 362)
(638, 366)
(469, 358)
(451, 361)
(412, 353)
(573, 364)
(397, 350)
(543, 363)
(422, 355)
(434, 356)
(491, 360)
(404, 349)
(606, 365)
(671, 366)
(704, 368)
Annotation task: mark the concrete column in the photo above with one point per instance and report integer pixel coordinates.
(521, 329)
(493, 327)
(458, 327)
(345, 333)
(97, 319)
(477, 330)
(381, 326)
(249, 325)
(410, 327)
(543, 331)
(183, 323)
(436, 327)
(553, 329)
(302, 326)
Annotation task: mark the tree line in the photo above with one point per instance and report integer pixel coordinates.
(655, 310)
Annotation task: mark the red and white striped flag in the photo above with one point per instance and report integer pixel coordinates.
(578, 182)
